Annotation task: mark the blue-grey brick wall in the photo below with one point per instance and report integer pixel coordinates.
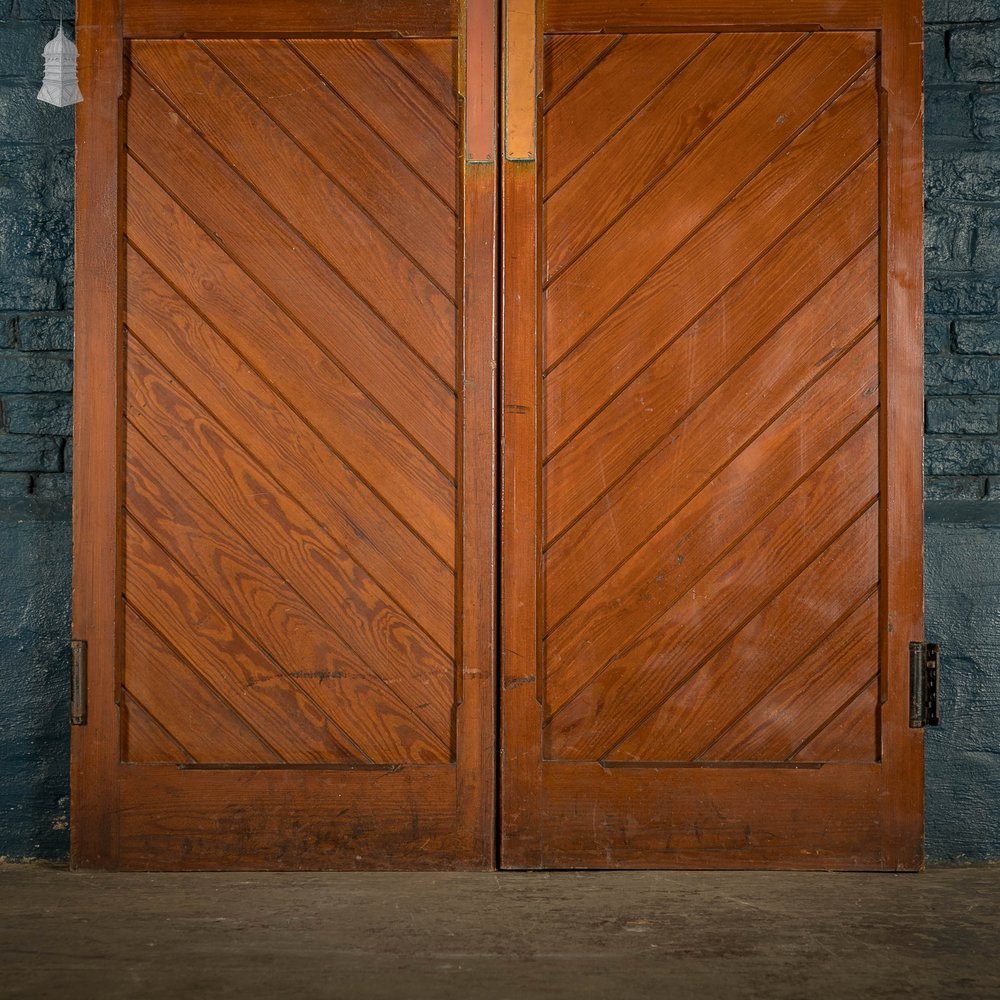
(962, 449)
(962, 422)
(36, 380)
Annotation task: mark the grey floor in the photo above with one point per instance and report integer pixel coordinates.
(517, 936)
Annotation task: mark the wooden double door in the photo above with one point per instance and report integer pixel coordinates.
(465, 481)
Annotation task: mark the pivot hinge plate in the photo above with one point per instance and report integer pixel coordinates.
(925, 663)
(78, 682)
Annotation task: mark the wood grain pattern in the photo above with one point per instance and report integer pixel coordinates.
(287, 449)
(308, 524)
(772, 115)
(377, 450)
(711, 435)
(337, 619)
(97, 433)
(599, 106)
(206, 726)
(365, 76)
(709, 536)
(568, 16)
(184, 18)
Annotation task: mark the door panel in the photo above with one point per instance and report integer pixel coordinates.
(296, 663)
(709, 543)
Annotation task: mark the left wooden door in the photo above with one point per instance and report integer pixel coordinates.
(285, 499)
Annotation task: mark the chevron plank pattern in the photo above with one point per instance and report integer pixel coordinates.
(291, 411)
(711, 398)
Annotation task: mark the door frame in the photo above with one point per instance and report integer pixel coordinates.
(535, 810)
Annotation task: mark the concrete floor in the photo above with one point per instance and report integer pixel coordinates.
(517, 936)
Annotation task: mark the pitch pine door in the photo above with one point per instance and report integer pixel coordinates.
(289, 434)
(285, 527)
(711, 445)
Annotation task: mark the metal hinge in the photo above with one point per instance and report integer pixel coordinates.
(925, 663)
(78, 682)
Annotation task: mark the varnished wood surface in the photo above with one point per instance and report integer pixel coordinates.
(97, 434)
(307, 523)
(708, 531)
(183, 18)
(569, 16)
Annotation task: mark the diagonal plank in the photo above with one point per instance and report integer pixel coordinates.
(648, 145)
(207, 726)
(852, 735)
(430, 62)
(227, 658)
(287, 268)
(769, 380)
(347, 150)
(368, 79)
(634, 420)
(736, 588)
(747, 225)
(288, 539)
(717, 690)
(256, 598)
(291, 182)
(144, 739)
(799, 704)
(290, 451)
(568, 58)
(760, 126)
(253, 323)
(718, 515)
(608, 95)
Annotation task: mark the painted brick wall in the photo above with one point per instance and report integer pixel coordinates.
(963, 434)
(36, 375)
(962, 450)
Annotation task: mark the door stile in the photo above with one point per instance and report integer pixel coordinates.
(97, 432)
(476, 697)
(521, 680)
(901, 558)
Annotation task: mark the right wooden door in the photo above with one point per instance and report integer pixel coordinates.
(711, 445)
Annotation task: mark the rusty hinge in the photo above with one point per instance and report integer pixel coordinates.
(78, 682)
(925, 665)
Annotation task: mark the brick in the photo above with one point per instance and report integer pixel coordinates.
(36, 227)
(33, 10)
(20, 453)
(53, 485)
(968, 296)
(963, 10)
(954, 375)
(7, 326)
(948, 112)
(14, 484)
(964, 175)
(974, 53)
(39, 414)
(955, 487)
(21, 47)
(23, 118)
(34, 373)
(977, 336)
(984, 244)
(986, 115)
(962, 456)
(45, 333)
(937, 334)
(947, 238)
(936, 69)
(963, 415)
